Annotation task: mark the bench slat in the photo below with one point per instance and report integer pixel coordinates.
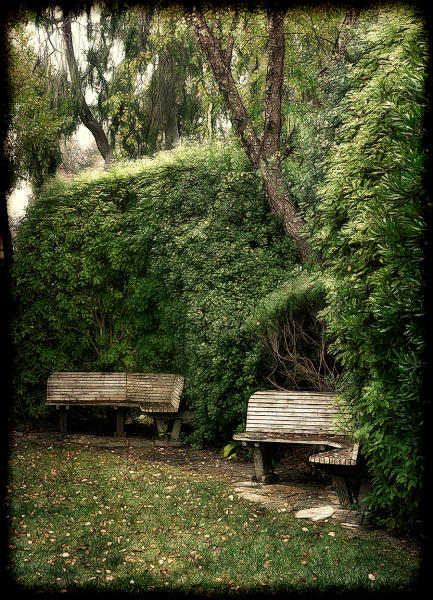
(278, 395)
(284, 437)
(290, 412)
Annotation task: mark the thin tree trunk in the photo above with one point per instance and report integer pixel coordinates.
(86, 115)
(171, 132)
(350, 20)
(209, 120)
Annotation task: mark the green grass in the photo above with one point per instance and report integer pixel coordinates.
(95, 519)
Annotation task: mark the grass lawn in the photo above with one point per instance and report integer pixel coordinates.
(89, 519)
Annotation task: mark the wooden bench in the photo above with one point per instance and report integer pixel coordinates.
(307, 418)
(155, 393)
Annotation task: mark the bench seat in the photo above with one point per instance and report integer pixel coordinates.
(280, 437)
(154, 393)
(343, 456)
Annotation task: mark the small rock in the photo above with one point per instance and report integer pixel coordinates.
(246, 484)
(316, 514)
(350, 525)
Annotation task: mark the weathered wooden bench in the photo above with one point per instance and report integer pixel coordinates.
(310, 419)
(155, 393)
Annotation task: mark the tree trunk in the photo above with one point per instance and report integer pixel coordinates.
(86, 115)
(350, 20)
(171, 130)
(277, 196)
(171, 137)
(263, 151)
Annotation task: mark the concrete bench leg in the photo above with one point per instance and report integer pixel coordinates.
(63, 419)
(120, 423)
(161, 426)
(364, 490)
(175, 432)
(263, 464)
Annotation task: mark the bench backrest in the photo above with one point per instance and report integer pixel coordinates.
(294, 412)
(152, 392)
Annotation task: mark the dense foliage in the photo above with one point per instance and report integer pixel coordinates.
(366, 219)
(42, 111)
(158, 265)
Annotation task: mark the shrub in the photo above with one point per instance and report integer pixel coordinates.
(368, 225)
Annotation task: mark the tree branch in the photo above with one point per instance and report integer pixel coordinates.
(274, 81)
(263, 152)
(217, 57)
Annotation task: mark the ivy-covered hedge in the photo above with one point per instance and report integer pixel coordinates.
(367, 222)
(153, 266)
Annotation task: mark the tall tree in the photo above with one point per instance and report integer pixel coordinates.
(151, 98)
(85, 113)
(263, 149)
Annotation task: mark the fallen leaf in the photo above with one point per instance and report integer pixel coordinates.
(371, 576)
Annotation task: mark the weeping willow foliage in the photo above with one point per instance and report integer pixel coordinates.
(150, 100)
(363, 196)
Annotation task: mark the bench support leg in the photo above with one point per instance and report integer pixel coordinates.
(120, 423)
(175, 432)
(161, 426)
(63, 419)
(343, 491)
(364, 490)
(263, 464)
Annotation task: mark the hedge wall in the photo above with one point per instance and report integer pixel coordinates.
(156, 265)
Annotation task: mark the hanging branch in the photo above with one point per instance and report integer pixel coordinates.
(146, 14)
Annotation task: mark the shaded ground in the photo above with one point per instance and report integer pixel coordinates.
(301, 486)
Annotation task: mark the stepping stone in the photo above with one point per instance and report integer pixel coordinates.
(246, 484)
(316, 514)
(252, 497)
